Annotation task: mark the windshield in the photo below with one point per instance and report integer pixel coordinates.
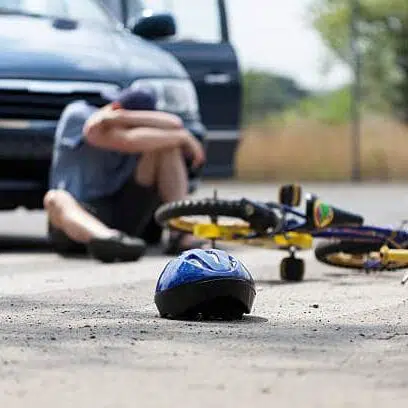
(74, 9)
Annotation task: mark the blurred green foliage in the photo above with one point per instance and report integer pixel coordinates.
(383, 43)
(266, 93)
(273, 98)
(330, 108)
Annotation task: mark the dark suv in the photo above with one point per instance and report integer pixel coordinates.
(54, 52)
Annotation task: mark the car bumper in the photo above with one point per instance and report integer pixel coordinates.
(26, 144)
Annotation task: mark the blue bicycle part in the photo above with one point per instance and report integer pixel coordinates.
(351, 242)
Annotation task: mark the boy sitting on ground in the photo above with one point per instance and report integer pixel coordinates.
(111, 169)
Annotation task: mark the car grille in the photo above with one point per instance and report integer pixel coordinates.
(45, 100)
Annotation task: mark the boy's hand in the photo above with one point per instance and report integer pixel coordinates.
(194, 149)
(102, 117)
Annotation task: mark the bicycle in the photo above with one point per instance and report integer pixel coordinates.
(282, 225)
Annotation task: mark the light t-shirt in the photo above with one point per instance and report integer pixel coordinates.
(85, 171)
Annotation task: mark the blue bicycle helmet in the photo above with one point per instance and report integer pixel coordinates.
(205, 283)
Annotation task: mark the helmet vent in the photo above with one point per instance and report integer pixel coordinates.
(214, 256)
(196, 262)
(233, 261)
(215, 260)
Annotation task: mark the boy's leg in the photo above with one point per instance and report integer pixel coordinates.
(135, 203)
(172, 178)
(159, 177)
(67, 217)
(172, 182)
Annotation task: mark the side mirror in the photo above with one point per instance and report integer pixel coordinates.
(155, 26)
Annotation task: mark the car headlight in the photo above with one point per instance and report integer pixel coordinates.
(176, 96)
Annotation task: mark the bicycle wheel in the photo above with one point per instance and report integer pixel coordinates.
(352, 255)
(210, 218)
(183, 216)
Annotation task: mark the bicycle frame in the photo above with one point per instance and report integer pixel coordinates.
(396, 238)
(292, 229)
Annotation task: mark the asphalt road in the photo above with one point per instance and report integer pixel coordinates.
(74, 333)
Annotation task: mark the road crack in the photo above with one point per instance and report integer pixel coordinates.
(390, 336)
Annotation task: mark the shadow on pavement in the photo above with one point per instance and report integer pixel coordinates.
(277, 282)
(24, 244)
(360, 278)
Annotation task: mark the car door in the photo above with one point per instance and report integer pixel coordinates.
(203, 46)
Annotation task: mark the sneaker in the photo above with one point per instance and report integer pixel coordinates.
(120, 248)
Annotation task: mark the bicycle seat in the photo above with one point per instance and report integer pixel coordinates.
(321, 215)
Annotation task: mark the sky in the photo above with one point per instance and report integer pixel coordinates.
(276, 35)
(270, 34)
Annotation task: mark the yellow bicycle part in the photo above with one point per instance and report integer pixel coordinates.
(294, 239)
(237, 232)
(223, 232)
(348, 260)
(398, 256)
(210, 231)
(232, 233)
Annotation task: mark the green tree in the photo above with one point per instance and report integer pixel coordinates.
(383, 33)
(266, 93)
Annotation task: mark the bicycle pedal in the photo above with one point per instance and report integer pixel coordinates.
(260, 217)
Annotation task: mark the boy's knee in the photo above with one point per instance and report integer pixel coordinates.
(55, 201)
(55, 197)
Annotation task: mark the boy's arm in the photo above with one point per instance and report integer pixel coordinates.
(110, 117)
(137, 140)
(162, 120)
(109, 129)
(133, 131)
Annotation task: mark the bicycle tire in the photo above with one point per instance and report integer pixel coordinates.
(326, 253)
(167, 214)
(200, 207)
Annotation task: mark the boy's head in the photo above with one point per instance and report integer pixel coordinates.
(134, 99)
